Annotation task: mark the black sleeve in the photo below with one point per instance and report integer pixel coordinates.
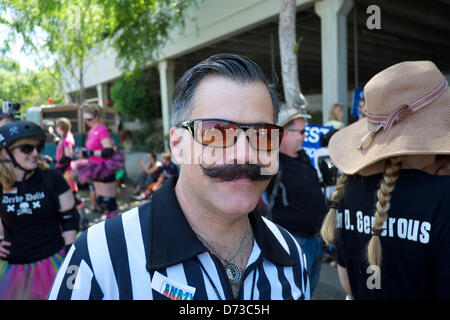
(440, 242)
(59, 183)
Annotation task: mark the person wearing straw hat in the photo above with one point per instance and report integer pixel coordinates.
(296, 199)
(392, 203)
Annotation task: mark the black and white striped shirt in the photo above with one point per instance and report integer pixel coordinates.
(150, 252)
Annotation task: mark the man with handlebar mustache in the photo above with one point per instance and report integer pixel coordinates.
(201, 236)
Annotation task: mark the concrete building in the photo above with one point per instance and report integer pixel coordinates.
(344, 43)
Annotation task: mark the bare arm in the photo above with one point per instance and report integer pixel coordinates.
(160, 181)
(68, 152)
(141, 164)
(108, 143)
(343, 278)
(3, 244)
(153, 169)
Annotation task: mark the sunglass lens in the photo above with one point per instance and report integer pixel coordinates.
(215, 133)
(29, 148)
(264, 137)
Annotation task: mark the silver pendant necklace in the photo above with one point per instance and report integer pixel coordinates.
(232, 270)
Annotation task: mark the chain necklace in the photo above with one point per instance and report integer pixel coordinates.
(233, 271)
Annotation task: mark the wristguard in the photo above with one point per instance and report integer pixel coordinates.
(70, 219)
(107, 153)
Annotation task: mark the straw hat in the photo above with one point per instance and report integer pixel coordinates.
(408, 113)
(288, 113)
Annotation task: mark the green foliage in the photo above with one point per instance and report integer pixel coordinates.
(28, 87)
(148, 139)
(141, 28)
(132, 97)
(76, 31)
(297, 44)
(136, 29)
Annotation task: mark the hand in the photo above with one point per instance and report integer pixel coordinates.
(79, 153)
(47, 159)
(444, 170)
(84, 153)
(3, 251)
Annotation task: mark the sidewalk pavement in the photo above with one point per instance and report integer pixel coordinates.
(328, 287)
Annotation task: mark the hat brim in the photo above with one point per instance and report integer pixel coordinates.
(426, 131)
(296, 116)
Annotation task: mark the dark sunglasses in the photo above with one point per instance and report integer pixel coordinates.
(219, 133)
(88, 119)
(28, 148)
(302, 132)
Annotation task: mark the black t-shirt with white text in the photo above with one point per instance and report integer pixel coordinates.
(415, 239)
(30, 217)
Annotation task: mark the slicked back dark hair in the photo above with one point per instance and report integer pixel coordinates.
(230, 66)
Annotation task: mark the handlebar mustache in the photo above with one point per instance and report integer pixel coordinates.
(230, 172)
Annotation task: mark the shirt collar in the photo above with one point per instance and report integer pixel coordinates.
(172, 240)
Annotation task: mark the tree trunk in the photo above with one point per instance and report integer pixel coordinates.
(288, 40)
(81, 83)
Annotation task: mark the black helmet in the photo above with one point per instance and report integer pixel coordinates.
(15, 130)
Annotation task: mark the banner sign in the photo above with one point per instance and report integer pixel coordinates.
(311, 144)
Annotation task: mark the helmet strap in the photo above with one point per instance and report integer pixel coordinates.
(16, 164)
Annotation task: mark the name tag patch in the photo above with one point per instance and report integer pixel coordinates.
(172, 289)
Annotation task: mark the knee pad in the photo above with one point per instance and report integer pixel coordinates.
(101, 202)
(111, 203)
(106, 203)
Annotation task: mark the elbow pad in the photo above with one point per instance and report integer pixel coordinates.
(70, 219)
(107, 153)
(86, 153)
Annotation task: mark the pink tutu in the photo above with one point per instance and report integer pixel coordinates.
(31, 281)
(87, 170)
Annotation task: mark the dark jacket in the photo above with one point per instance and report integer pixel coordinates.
(305, 208)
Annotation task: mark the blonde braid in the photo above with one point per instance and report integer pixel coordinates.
(387, 185)
(328, 229)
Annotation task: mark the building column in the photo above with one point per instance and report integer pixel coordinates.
(167, 84)
(102, 94)
(333, 22)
